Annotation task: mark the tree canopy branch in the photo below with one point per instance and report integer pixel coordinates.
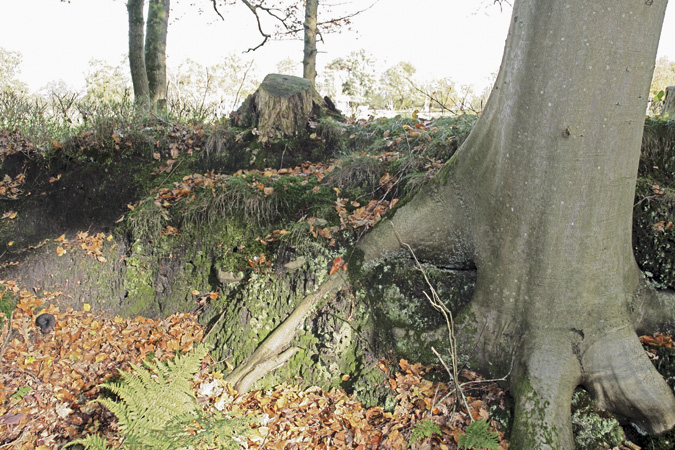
(215, 8)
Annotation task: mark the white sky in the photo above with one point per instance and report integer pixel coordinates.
(462, 39)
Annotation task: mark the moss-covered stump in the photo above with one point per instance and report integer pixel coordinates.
(231, 149)
(282, 106)
(407, 324)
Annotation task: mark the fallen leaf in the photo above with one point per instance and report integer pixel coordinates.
(11, 419)
(337, 265)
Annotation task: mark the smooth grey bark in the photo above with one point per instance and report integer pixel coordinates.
(155, 50)
(540, 199)
(139, 76)
(309, 54)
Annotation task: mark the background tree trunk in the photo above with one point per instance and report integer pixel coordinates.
(155, 51)
(309, 58)
(669, 102)
(540, 199)
(139, 76)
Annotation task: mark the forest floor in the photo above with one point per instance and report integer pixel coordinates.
(49, 382)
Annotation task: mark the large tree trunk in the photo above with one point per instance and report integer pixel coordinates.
(309, 58)
(155, 51)
(540, 199)
(139, 77)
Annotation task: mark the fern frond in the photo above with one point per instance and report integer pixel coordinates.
(423, 430)
(157, 410)
(154, 396)
(209, 430)
(479, 436)
(91, 442)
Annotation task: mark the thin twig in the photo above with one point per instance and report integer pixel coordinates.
(9, 334)
(254, 10)
(458, 387)
(215, 8)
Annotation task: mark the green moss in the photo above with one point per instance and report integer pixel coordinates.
(592, 427)
(8, 302)
(355, 269)
(529, 419)
(445, 173)
(139, 287)
(407, 324)
(253, 309)
(285, 85)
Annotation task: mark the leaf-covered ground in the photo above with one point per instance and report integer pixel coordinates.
(48, 382)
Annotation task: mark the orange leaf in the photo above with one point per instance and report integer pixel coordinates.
(337, 265)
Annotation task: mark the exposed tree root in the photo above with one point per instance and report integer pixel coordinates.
(543, 384)
(655, 309)
(274, 351)
(621, 378)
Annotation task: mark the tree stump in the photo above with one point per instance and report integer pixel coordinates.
(669, 102)
(282, 106)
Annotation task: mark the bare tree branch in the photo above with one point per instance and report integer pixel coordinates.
(254, 10)
(336, 21)
(289, 21)
(215, 8)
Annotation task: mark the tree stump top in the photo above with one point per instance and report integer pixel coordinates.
(280, 85)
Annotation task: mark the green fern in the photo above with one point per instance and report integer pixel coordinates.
(157, 410)
(423, 430)
(91, 442)
(152, 398)
(208, 431)
(479, 436)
